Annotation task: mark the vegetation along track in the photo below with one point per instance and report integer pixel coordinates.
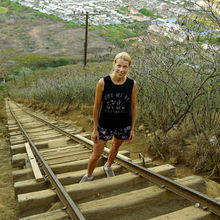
(51, 159)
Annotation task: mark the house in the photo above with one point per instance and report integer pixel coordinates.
(159, 21)
(171, 20)
(173, 31)
(133, 10)
(101, 19)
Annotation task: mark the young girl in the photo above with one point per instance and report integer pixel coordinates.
(114, 113)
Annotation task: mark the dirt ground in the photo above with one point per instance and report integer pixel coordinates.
(80, 118)
(56, 39)
(33, 35)
(8, 203)
(53, 39)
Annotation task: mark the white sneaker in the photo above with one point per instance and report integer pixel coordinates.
(85, 178)
(109, 171)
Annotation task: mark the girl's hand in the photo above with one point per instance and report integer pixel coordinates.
(95, 136)
(131, 137)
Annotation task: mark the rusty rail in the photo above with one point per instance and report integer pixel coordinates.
(64, 197)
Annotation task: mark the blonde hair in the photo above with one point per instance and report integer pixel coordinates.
(124, 56)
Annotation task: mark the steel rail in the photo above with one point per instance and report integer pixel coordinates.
(202, 200)
(68, 203)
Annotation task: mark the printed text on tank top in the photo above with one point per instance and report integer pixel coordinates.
(116, 104)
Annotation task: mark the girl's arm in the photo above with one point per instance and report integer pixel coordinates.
(96, 109)
(133, 111)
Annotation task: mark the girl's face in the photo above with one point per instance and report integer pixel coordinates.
(121, 68)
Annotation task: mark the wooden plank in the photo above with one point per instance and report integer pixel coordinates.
(55, 150)
(20, 148)
(36, 170)
(74, 177)
(18, 160)
(50, 215)
(190, 212)
(150, 196)
(68, 153)
(70, 158)
(77, 192)
(26, 174)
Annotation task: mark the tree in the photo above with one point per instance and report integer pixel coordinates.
(207, 8)
(179, 88)
(146, 12)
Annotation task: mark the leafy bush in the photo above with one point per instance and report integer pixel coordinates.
(3, 10)
(146, 12)
(5, 3)
(116, 33)
(70, 24)
(178, 88)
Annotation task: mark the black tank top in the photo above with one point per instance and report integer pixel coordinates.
(116, 104)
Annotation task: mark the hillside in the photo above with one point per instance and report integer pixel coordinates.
(25, 31)
(173, 85)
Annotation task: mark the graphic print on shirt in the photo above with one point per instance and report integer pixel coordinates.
(116, 102)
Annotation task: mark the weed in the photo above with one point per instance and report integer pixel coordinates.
(116, 33)
(3, 10)
(70, 24)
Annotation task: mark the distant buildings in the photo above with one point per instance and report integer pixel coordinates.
(71, 10)
(168, 28)
(111, 12)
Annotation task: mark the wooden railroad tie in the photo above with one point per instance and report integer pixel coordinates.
(36, 170)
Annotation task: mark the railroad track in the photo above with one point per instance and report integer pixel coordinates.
(51, 158)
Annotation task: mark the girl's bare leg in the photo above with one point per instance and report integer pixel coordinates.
(113, 151)
(98, 149)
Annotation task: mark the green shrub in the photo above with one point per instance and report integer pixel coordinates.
(70, 24)
(115, 33)
(146, 12)
(2, 10)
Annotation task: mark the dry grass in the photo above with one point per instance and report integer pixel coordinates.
(183, 146)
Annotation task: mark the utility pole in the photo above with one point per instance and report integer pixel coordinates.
(86, 33)
(86, 39)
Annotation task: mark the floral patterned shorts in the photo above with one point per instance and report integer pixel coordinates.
(106, 134)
